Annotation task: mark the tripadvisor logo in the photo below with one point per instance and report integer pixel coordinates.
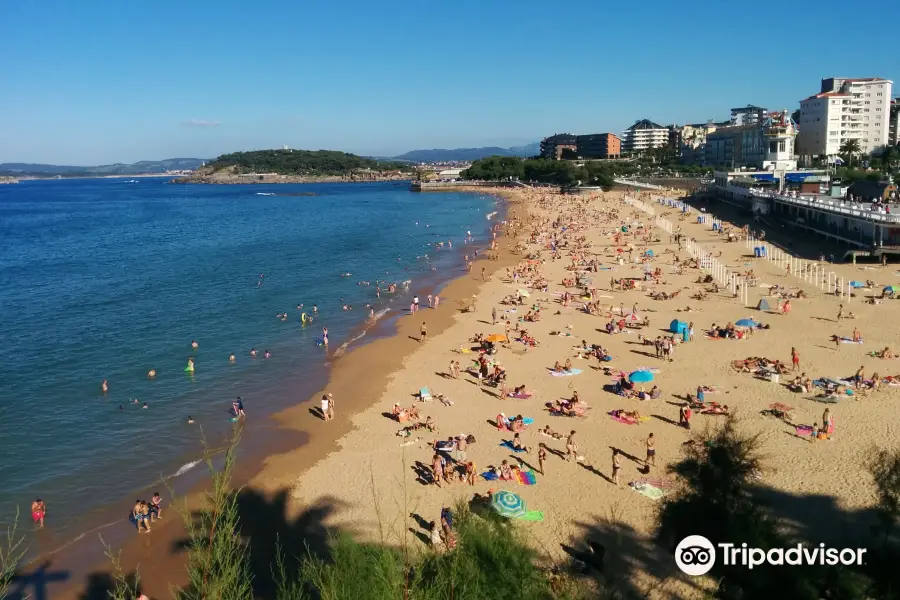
(695, 555)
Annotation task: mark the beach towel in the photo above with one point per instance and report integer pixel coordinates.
(827, 399)
(525, 477)
(615, 417)
(489, 476)
(850, 341)
(648, 490)
(425, 393)
(509, 445)
(520, 396)
(566, 373)
(532, 515)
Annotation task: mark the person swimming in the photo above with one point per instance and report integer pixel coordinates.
(266, 354)
(144, 405)
(194, 344)
(231, 358)
(151, 373)
(190, 365)
(253, 352)
(190, 420)
(104, 387)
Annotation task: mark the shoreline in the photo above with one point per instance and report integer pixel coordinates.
(293, 439)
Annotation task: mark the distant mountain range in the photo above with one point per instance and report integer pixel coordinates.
(138, 168)
(468, 154)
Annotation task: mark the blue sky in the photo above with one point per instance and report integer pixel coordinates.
(97, 81)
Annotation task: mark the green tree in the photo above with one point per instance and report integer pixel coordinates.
(850, 148)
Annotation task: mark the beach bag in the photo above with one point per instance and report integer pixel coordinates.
(470, 439)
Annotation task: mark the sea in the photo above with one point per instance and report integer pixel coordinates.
(106, 279)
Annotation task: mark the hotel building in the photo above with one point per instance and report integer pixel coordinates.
(553, 146)
(845, 109)
(643, 135)
(598, 145)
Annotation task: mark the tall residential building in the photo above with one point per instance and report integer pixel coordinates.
(553, 146)
(894, 124)
(845, 109)
(643, 135)
(598, 145)
(748, 115)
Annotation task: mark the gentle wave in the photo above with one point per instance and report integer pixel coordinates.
(186, 467)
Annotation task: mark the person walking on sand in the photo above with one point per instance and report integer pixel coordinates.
(437, 470)
(423, 331)
(616, 466)
(651, 451)
(859, 377)
(542, 456)
(324, 407)
(571, 447)
(795, 359)
(494, 316)
(330, 407)
(840, 314)
(826, 420)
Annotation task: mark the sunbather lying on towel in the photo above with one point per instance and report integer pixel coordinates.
(715, 410)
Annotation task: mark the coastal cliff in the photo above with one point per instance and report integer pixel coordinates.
(294, 166)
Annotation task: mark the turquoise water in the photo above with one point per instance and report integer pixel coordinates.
(106, 279)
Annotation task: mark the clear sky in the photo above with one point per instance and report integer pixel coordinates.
(100, 81)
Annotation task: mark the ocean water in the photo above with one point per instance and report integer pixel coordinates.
(106, 279)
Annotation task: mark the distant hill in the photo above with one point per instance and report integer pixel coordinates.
(467, 154)
(144, 166)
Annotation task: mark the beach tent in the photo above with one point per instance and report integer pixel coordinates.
(763, 305)
(677, 326)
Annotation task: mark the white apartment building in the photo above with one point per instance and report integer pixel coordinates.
(643, 135)
(845, 109)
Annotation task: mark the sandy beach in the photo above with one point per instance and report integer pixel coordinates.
(356, 474)
(372, 479)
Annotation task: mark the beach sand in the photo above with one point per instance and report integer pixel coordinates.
(357, 475)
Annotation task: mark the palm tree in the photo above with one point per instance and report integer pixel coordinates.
(850, 148)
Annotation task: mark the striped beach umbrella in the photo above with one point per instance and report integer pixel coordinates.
(508, 505)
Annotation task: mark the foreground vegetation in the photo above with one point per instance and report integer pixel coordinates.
(718, 495)
(299, 162)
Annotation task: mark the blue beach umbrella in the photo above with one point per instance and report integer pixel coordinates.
(641, 377)
(508, 505)
(745, 323)
(857, 284)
